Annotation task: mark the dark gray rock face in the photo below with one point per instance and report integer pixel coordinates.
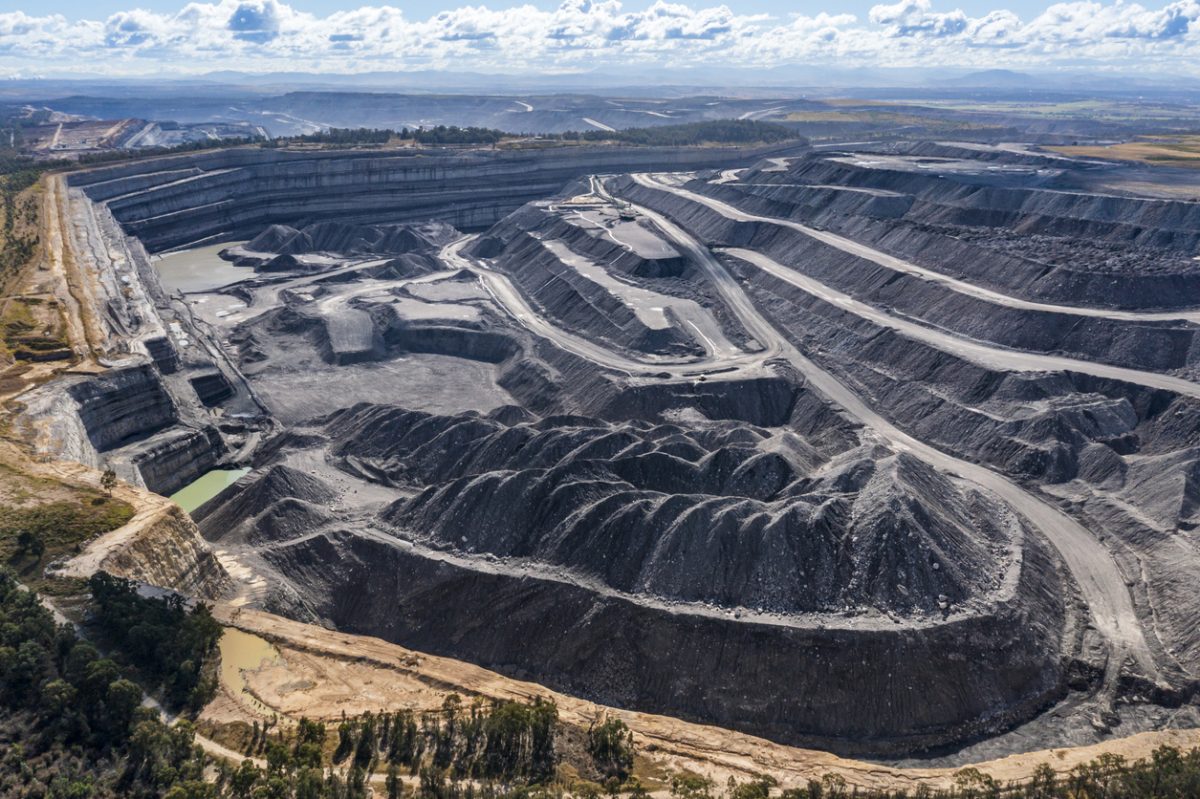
(348, 239)
(133, 423)
(163, 353)
(172, 461)
(276, 248)
(238, 193)
(281, 499)
(1037, 233)
(1165, 346)
(564, 293)
(908, 687)
(122, 405)
(211, 386)
(693, 515)
(612, 559)
(1118, 453)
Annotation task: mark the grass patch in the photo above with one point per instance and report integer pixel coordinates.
(18, 318)
(34, 535)
(32, 329)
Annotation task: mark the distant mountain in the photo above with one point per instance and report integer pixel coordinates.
(996, 78)
(786, 81)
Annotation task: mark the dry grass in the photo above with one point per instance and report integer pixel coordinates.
(32, 328)
(1182, 151)
(62, 516)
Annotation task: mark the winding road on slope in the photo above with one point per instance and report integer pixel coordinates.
(506, 296)
(899, 265)
(984, 354)
(1100, 581)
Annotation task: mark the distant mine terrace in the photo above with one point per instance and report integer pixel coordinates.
(884, 450)
(228, 194)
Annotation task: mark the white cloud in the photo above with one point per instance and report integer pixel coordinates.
(269, 34)
(916, 18)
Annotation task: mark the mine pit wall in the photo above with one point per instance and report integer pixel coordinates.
(558, 382)
(1084, 423)
(888, 368)
(1163, 346)
(905, 234)
(580, 304)
(926, 200)
(567, 296)
(937, 396)
(227, 194)
(909, 689)
(171, 462)
(144, 414)
(123, 404)
(124, 417)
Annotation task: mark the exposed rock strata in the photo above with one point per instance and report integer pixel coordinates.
(237, 193)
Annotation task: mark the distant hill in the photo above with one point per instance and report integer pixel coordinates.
(995, 78)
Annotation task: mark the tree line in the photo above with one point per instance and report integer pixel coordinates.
(17, 173)
(74, 725)
(71, 717)
(1168, 773)
(504, 741)
(721, 131)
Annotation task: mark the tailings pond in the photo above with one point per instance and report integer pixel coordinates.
(199, 269)
(201, 490)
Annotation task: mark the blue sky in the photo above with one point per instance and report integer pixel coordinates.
(140, 37)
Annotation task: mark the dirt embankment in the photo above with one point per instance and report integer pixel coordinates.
(159, 545)
(322, 673)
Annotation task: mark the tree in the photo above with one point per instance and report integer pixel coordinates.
(346, 741)
(394, 785)
(1042, 783)
(833, 786)
(368, 744)
(242, 781)
(310, 739)
(121, 701)
(690, 786)
(25, 540)
(108, 480)
(974, 784)
(610, 744)
(751, 789)
(310, 783)
(279, 759)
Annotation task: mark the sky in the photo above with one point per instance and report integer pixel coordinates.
(83, 9)
(148, 37)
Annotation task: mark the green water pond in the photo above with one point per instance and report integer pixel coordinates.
(201, 490)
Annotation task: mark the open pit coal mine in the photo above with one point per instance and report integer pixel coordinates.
(892, 451)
